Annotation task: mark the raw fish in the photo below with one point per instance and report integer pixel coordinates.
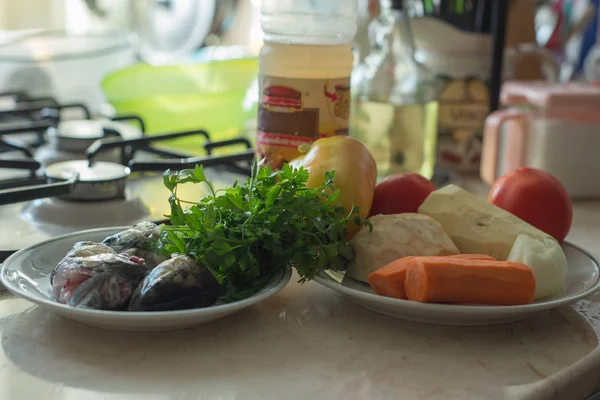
(132, 237)
(71, 272)
(176, 284)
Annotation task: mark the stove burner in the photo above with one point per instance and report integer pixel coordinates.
(92, 180)
(91, 192)
(67, 140)
(63, 216)
(101, 181)
(97, 173)
(79, 129)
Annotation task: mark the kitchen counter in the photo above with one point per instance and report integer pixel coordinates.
(308, 342)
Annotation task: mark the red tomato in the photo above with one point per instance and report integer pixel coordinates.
(402, 193)
(536, 197)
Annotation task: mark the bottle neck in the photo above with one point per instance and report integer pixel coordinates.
(391, 70)
(400, 37)
(403, 27)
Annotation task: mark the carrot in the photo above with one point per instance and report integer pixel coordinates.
(482, 257)
(445, 280)
(389, 280)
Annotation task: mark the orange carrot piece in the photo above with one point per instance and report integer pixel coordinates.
(444, 280)
(389, 280)
(481, 257)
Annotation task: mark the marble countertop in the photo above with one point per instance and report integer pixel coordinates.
(308, 342)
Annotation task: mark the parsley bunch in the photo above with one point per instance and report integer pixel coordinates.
(248, 232)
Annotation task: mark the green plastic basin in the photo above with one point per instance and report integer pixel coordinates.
(177, 98)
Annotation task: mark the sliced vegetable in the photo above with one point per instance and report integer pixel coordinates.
(355, 168)
(389, 280)
(536, 197)
(473, 257)
(395, 236)
(446, 280)
(474, 225)
(546, 259)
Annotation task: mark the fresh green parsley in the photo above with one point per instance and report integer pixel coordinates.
(248, 232)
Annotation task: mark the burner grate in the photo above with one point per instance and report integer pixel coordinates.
(37, 109)
(238, 162)
(38, 186)
(36, 203)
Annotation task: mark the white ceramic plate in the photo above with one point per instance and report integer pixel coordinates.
(582, 280)
(27, 274)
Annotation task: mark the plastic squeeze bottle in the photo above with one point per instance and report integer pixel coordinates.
(304, 76)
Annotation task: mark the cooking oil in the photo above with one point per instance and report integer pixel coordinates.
(401, 138)
(395, 106)
(305, 68)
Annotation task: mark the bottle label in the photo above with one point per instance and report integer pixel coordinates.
(295, 112)
(464, 105)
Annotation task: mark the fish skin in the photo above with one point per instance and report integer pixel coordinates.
(82, 249)
(132, 237)
(72, 272)
(151, 259)
(106, 291)
(176, 284)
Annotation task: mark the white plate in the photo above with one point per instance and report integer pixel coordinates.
(582, 280)
(27, 274)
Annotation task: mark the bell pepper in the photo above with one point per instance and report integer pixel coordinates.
(355, 171)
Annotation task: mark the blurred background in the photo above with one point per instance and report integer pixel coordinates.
(185, 64)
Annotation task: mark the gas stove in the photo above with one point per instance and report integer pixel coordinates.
(62, 174)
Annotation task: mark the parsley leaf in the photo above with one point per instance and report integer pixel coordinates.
(248, 232)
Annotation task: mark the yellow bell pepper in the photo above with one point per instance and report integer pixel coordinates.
(355, 171)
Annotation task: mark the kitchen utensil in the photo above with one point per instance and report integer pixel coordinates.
(589, 37)
(520, 29)
(552, 127)
(463, 63)
(483, 12)
(449, 51)
(573, 43)
(591, 65)
(546, 20)
(186, 97)
(65, 66)
(27, 274)
(583, 279)
(169, 31)
(582, 23)
(458, 13)
(499, 14)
